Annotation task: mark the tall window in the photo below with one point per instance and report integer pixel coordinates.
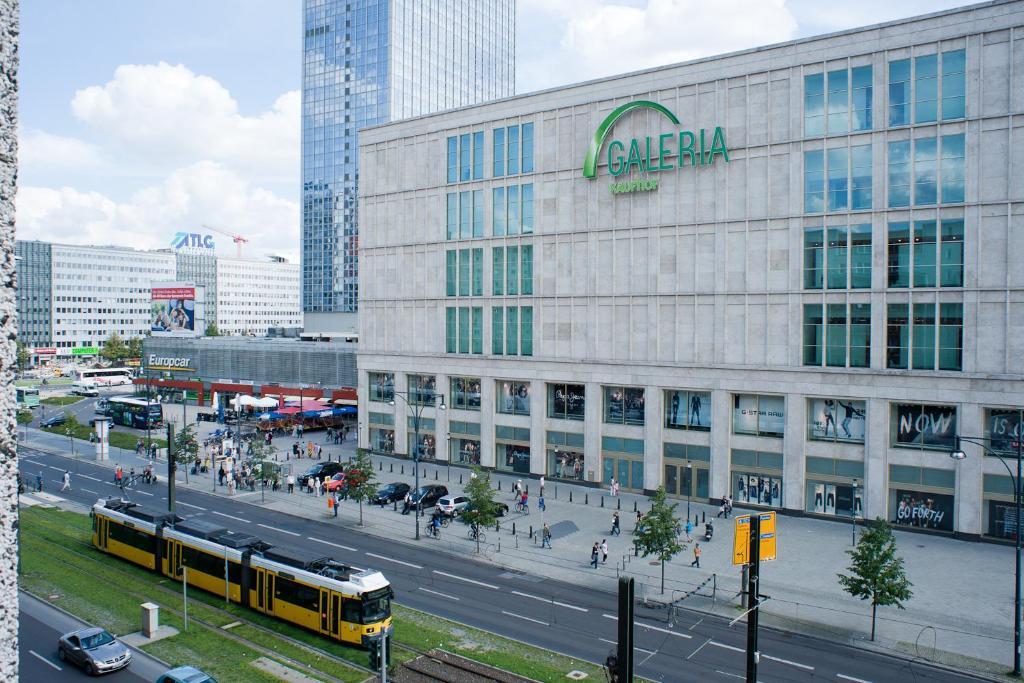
(837, 257)
(477, 330)
(464, 157)
(465, 215)
(498, 330)
(513, 150)
(899, 92)
(860, 188)
(846, 263)
(453, 215)
(925, 170)
(499, 209)
(951, 254)
(499, 152)
(814, 337)
(932, 258)
(814, 258)
(527, 212)
(527, 148)
(512, 271)
(899, 173)
(512, 223)
(464, 266)
(526, 269)
(933, 97)
(838, 102)
(926, 88)
(814, 104)
(912, 339)
(860, 335)
(951, 336)
(566, 401)
(453, 159)
(623, 405)
(952, 169)
(861, 98)
(478, 155)
(477, 288)
(451, 272)
(464, 329)
(954, 66)
(837, 334)
(814, 181)
(860, 256)
(478, 213)
(498, 271)
(838, 178)
(451, 329)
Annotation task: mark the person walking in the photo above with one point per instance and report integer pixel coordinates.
(221, 474)
(118, 475)
(594, 555)
(517, 489)
(66, 482)
(611, 487)
(604, 551)
(545, 537)
(291, 483)
(616, 530)
(337, 501)
(696, 556)
(542, 486)
(39, 482)
(689, 530)
(406, 503)
(721, 509)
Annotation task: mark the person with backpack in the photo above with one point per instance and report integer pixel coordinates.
(616, 530)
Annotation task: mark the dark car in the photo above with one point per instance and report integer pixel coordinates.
(500, 509)
(427, 496)
(93, 649)
(323, 469)
(53, 420)
(391, 493)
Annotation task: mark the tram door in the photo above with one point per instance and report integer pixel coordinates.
(102, 531)
(270, 593)
(324, 610)
(335, 613)
(259, 589)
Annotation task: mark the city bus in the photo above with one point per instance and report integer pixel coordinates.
(105, 376)
(28, 397)
(135, 412)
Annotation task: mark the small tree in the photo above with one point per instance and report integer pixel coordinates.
(71, 427)
(876, 573)
(483, 510)
(186, 447)
(212, 331)
(659, 533)
(24, 356)
(360, 481)
(134, 347)
(114, 348)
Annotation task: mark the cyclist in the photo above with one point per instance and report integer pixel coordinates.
(523, 505)
(435, 525)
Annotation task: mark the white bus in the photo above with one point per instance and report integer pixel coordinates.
(105, 376)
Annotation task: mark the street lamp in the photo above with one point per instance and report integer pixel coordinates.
(957, 453)
(853, 515)
(417, 413)
(448, 447)
(689, 485)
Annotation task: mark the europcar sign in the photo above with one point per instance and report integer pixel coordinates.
(172, 363)
(664, 152)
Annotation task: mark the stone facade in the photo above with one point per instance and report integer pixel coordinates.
(701, 284)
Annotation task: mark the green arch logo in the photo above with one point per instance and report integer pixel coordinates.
(590, 162)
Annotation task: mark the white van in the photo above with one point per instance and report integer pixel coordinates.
(84, 389)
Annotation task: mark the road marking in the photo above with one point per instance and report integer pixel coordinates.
(461, 578)
(612, 642)
(190, 505)
(520, 616)
(443, 595)
(391, 559)
(786, 661)
(89, 477)
(59, 469)
(851, 678)
(237, 519)
(32, 462)
(551, 602)
(728, 647)
(656, 628)
(726, 673)
(336, 545)
(274, 528)
(91, 491)
(145, 493)
(692, 654)
(42, 658)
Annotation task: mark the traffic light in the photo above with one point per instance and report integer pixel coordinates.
(375, 654)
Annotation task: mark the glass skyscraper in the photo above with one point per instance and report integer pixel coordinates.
(367, 62)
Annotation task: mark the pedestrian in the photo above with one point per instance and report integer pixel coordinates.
(330, 434)
(689, 529)
(617, 487)
(615, 524)
(545, 537)
(337, 500)
(604, 551)
(66, 483)
(728, 506)
(611, 487)
(330, 505)
(291, 483)
(138, 447)
(118, 475)
(639, 521)
(231, 486)
(721, 509)
(39, 481)
(542, 485)
(406, 502)
(540, 503)
(517, 489)
(696, 556)
(594, 555)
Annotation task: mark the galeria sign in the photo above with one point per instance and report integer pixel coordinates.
(652, 154)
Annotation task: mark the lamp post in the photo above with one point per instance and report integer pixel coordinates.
(689, 485)
(853, 515)
(958, 454)
(448, 445)
(417, 413)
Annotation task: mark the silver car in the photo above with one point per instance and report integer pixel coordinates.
(93, 649)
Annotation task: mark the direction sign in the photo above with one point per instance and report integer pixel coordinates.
(741, 538)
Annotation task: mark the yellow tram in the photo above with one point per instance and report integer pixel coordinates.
(316, 593)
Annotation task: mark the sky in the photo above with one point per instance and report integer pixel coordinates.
(139, 120)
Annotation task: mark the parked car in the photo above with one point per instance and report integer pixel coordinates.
(93, 649)
(427, 496)
(337, 483)
(186, 674)
(84, 389)
(501, 509)
(54, 420)
(391, 493)
(452, 505)
(322, 469)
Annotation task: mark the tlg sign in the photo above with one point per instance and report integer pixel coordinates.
(196, 240)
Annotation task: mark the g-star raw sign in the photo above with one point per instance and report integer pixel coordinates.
(665, 152)
(156, 362)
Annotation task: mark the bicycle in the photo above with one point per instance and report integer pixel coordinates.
(445, 521)
(476, 534)
(523, 508)
(434, 531)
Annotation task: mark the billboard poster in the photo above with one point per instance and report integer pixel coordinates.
(923, 510)
(754, 414)
(688, 410)
(836, 419)
(1004, 428)
(177, 309)
(925, 426)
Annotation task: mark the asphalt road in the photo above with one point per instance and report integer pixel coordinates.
(556, 615)
(39, 627)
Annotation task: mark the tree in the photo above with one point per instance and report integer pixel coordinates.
(360, 482)
(186, 447)
(71, 428)
(114, 348)
(482, 510)
(659, 533)
(212, 331)
(876, 573)
(135, 347)
(24, 356)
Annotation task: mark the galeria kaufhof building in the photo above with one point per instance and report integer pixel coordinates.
(789, 274)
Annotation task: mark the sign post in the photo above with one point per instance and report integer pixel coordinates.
(754, 541)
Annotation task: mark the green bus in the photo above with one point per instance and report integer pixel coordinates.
(134, 412)
(27, 397)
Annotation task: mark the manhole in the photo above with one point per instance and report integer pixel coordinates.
(576, 675)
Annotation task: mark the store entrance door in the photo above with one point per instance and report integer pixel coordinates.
(629, 473)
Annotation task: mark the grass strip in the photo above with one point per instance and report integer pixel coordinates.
(117, 439)
(61, 400)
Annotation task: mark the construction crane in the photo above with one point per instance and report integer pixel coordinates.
(238, 239)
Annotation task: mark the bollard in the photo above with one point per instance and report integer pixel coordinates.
(586, 499)
(497, 526)
(636, 550)
(460, 479)
(634, 506)
(435, 475)
(619, 504)
(703, 517)
(403, 469)
(527, 488)
(531, 531)
(394, 505)
(570, 495)
(556, 491)
(602, 501)
(513, 528)
(499, 484)
(391, 467)
(381, 468)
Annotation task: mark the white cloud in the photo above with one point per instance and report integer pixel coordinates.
(603, 38)
(204, 192)
(168, 113)
(39, 148)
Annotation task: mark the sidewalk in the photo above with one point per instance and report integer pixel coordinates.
(967, 614)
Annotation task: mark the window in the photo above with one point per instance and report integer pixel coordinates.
(478, 213)
(860, 335)
(499, 152)
(526, 330)
(951, 336)
(513, 150)
(513, 222)
(814, 105)
(382, 386)
(838, 101)
(453, 215)
(477, 288)
(512, 270)
(926, 88)
(899, 173)
(511, 331)
(527, 148)
(498, 211)
(836, 419)
(923, 426)
(952, 169)
(860, 190)
(925, 170)
(951, 254)
(1004, 428)
(899, 92)
(566, 401)
(688, 410)
(845, 263)
(838, 179)
(860, 256)
(861, 98)
(498, 271)
(498, 330)
(954, 66)
(451, 272)
(914, 339)
(465, 215)
(527, 212)
(464, 329)
(623, 405)
(898, 336)
(478, 155)
(305, 597)
(923, 337)
(933, 259)
(814, 182)
(526, 269)
(513, 397)
(837, 334)
(422, 389)
(837, 257)
(453, 159)
(464, 266)
(758, 414)
(464, 156)
(814, 258)
(813, 334)
(924, 253)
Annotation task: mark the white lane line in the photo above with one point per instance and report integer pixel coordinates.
(727, 647)
(851, 679)
(32, 462)
(462, 578)
(443, 595)
(145, 493)
(798, 665)
(190, 505)
(692, 654)
(726, 673)
(640, 649)
(657, 628)
(39, 656)
(91, 491)
(336, 545)
(391, 559)
(89, 477)
(520, 616)
(237, 519)
(274, 528)
(550, 602)
(59, 469)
